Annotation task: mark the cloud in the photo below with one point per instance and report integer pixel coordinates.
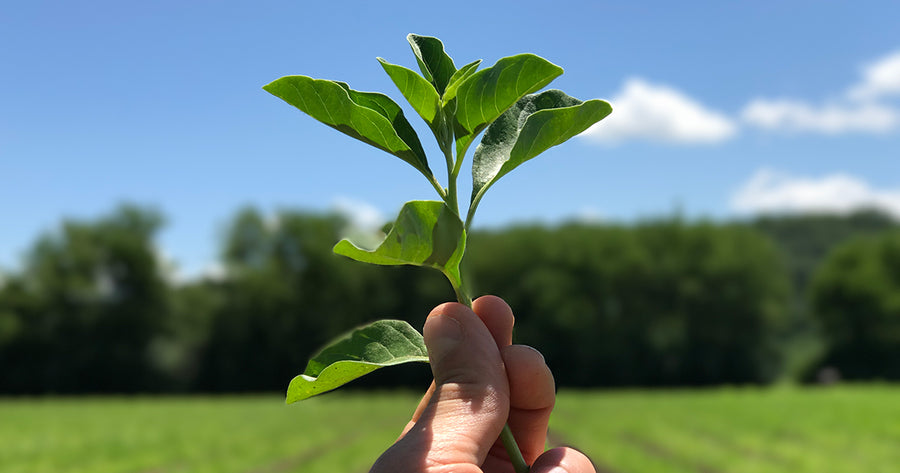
(362, 215)
(880, 79)
(365, 222)
(861, 108)
(795, 116)
(771, 191)
(659, 113)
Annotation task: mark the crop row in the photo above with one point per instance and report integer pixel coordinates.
(824, 430)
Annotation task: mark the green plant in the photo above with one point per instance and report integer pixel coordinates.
(457, 105)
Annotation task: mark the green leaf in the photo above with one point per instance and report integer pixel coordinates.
(418, 91)
(458, 78)
(488, 93)
(370, 117)
(436, 65)
(358, 353)
(534, 124)
(426, 233)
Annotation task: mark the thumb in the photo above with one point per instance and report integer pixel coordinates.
(470, 403)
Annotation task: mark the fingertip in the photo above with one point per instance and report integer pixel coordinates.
(563, 460)
(497, 316)
(531, 382)
(453, 309)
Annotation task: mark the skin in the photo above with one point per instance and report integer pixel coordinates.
(481, 381)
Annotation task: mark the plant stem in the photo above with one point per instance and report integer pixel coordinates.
(512, 449)
(437, 186)
(506, 435)
(451, 199)
(462, 297)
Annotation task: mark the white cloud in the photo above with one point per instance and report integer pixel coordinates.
(862, 107)
(589, 214)
(362, 215)
(770, 191)
(880, 79)
(796, 116)
(365, 222)
(180, 275)
(660, 113)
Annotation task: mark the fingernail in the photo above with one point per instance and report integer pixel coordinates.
(444, 334)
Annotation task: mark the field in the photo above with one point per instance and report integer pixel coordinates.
(834, 430)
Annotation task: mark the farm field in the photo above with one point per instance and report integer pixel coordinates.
(823, 430)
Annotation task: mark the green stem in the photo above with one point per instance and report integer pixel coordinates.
(506, 435)
(462, 297)
(472, 206)
(452, 200)
(437, 186)
(512, 449)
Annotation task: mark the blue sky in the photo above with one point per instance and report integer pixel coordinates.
(721, 110)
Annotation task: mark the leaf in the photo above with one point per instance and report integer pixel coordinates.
(418, 91)
(436, 65)
(458, 77)
(488, 93)
(370, 117)
(356, 354)
(426, 233)
(534, 124)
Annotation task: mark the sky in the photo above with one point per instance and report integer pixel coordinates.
(721, 110)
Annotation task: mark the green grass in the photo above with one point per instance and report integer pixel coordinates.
(847, 429)
(835, 430)
(203, 435)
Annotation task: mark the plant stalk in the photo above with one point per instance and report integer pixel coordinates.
(512, 449)
(452, 200)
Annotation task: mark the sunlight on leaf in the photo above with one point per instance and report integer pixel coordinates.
(418, 91)
(458, 78)
(486, 94)
(426, 233)
(534, 124)
(436, 65)
(356, 354)
(370, 117)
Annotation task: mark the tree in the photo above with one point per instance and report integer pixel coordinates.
(660, 303)
(855, 295)
(89, 301)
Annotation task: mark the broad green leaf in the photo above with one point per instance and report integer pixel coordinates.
(426, 233)
(358, 353)
(534, 124)
(418, 91)
(458, 78)
(488, 93)
(367, 116)
(436, 65)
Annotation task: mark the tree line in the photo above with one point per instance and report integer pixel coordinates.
(94, 309)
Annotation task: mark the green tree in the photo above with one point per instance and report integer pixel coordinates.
(856, 297)
(660, 303)
(285, 294)
(90, 299)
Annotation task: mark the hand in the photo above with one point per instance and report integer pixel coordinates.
(481, 381)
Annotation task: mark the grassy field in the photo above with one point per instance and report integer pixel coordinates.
(846, 429)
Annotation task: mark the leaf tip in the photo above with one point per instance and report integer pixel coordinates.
(340, 248)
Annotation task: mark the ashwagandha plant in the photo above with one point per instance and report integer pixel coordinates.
(457, 105)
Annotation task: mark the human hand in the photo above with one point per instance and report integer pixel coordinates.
(481, 382)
